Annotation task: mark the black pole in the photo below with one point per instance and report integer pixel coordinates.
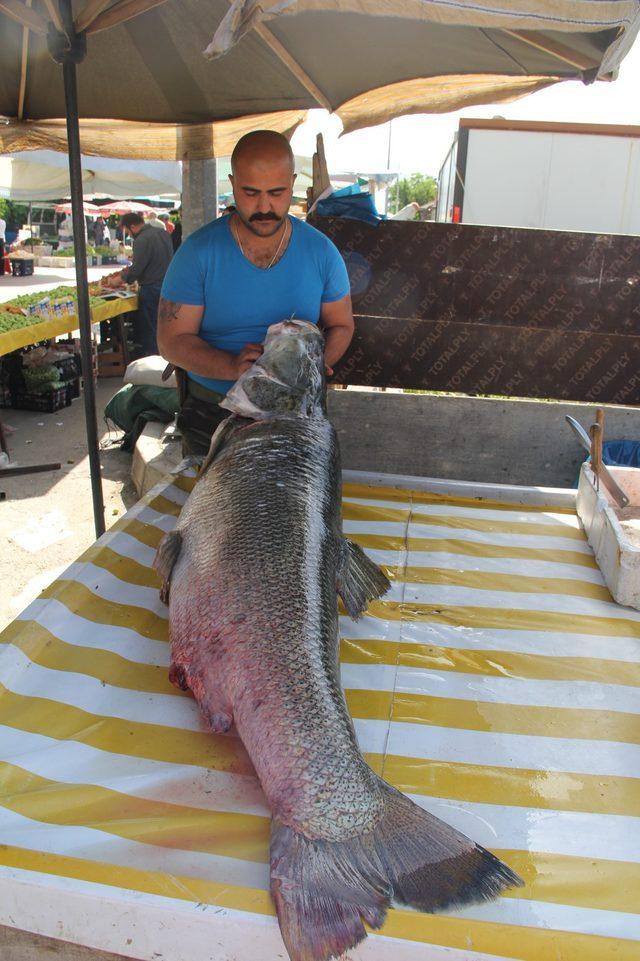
(69, 49)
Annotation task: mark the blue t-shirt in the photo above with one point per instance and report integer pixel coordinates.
(242, 300)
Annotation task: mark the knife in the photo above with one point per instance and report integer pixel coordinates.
(602, 473)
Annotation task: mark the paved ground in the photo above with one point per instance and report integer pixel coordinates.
(46, 520)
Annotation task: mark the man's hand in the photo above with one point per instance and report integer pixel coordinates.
(180, 344)
(113, 280)
(246, 358)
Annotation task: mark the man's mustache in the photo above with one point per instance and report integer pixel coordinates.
(255, 217)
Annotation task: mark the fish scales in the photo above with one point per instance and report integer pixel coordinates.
(261, 537)
(252, 573)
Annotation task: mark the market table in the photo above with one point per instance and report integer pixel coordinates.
(55, 326)
(496, 684)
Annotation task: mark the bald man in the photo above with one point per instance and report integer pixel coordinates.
(237, 275)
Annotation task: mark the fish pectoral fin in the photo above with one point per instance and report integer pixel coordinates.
(166, 556)
(359, 579)
(220, 722)
(178, 676)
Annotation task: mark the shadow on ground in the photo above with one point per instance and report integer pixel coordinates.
(116, 466)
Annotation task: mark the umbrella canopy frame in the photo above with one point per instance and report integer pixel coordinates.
(496, 53)
(605, 31)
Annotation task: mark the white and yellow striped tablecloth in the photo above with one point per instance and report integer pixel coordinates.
(496, 684)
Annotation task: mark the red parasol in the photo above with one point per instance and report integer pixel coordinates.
(90, 209)
(125, 207)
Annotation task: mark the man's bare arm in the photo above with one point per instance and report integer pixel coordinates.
(180, 344)
(336, 319)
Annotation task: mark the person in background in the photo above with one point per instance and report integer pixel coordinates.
(3, 237)
(168, 225)
(152, 253)
(100, 231)
(65, 231)
(176, 236)
(153, 221)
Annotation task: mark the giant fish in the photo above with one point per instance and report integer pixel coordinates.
(252, 574)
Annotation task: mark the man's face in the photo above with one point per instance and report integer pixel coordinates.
(262, 190)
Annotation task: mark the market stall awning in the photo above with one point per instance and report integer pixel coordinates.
(143, 141)
(366, 59)
(435, 55)
(142, 61)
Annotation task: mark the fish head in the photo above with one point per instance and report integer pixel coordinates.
(288, 377)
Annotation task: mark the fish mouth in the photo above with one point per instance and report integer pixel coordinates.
(291, 326)
(287, 379)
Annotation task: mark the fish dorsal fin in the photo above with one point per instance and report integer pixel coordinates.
(220, 436)
(359, 579)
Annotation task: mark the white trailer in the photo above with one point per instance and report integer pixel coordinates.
(555, 176)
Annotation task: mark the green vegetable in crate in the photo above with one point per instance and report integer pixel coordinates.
(39, 380)
(71, 252)
(49, 388)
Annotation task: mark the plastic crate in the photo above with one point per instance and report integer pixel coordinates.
(47, 403)
(73, 386)
(111, 363)
(22, 268)
(69, 366)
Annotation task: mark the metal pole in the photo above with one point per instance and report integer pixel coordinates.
(386, 192)
(82, 287)
(69, 48)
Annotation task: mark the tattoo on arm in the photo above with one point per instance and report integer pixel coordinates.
(168, 310)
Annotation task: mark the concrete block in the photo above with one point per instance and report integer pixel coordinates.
(486, 440)
(153, 458)
(612, 532)
(56, 262)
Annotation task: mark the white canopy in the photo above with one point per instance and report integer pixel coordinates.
(44, 175)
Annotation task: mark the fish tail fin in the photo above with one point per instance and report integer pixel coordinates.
(324, 891)
(429, 864)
